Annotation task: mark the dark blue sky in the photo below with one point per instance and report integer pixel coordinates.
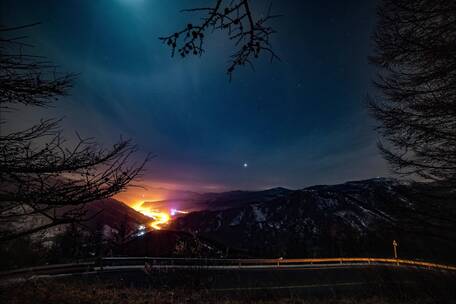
(298, 122)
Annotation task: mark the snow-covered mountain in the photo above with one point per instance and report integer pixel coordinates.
(352, 219)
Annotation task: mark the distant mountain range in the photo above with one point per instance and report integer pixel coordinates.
(193, 201)
(359, 218)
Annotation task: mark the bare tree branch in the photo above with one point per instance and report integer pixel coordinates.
(250, 35)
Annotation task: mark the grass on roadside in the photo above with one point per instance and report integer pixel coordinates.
(79, 292)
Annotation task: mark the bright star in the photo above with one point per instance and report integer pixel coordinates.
(245, 165)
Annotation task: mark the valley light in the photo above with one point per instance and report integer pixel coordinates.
(158, 218)
(161, 218)
(173, 212)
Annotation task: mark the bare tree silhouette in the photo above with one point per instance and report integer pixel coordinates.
(41, 174)
(251, 35)
(415, 55)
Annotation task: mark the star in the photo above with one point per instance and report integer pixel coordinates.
(245, 165)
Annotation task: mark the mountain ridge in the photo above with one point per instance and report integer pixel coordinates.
(354, 218)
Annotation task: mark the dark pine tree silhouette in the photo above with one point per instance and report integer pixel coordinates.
(42, 175)
(415, 55)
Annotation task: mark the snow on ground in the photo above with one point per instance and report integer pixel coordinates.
(258, 213)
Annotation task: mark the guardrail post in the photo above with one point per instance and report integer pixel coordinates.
(278, 261)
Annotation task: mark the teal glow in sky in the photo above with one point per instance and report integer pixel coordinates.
(298, 122)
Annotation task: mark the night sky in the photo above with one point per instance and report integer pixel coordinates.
(295, 123)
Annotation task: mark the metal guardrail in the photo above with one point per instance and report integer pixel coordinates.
(126, 261)
(198, 262)
(50, 269)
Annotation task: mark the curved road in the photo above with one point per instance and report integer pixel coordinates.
(262, 277)
(270, 280)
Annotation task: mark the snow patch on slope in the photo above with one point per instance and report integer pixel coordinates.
(237, 220)
(259, 215)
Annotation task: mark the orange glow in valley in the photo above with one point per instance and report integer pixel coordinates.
(159, 218)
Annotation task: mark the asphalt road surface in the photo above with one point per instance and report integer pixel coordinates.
(267, 281)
